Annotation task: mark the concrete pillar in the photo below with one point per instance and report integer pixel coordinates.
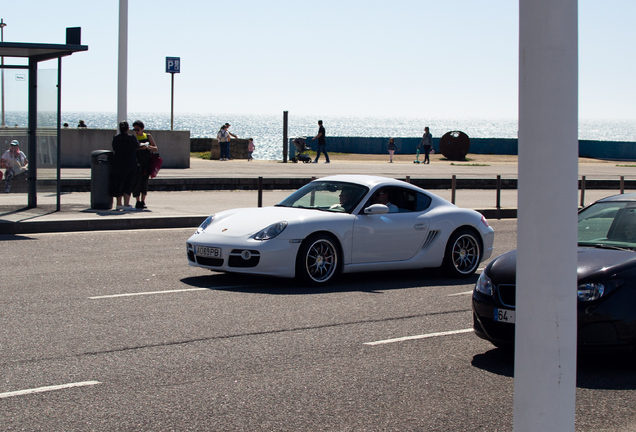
(122, 71)
(545, 349)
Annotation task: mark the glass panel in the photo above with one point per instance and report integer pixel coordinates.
(13, 92)
(46, 134)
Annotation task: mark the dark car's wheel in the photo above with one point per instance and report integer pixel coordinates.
(463, 253)
(317, 261)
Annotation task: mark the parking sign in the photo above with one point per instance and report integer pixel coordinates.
(173, 64)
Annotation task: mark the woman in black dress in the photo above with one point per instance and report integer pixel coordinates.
(124, 167)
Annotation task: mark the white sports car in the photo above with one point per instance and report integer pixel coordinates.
(344, 223)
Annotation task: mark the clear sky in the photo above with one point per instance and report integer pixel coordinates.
(418, 58)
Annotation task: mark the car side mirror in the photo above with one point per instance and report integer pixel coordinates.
(376, 209)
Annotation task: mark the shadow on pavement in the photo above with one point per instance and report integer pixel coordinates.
(607, 371)
(374, 282)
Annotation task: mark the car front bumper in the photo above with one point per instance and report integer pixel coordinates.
(270, 257)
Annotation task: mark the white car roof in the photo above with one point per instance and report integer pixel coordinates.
(365, 180)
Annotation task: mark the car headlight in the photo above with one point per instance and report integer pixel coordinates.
(271, 231)
(595, 290)
(484, 284)
(206, 223)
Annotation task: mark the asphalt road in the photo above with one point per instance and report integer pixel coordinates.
(139, 341)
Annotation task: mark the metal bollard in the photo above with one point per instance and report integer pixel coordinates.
(622, 185)
(260, 191)
(498, 192)
(582, 191)
(453, 186)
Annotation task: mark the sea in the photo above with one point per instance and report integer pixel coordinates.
(267, 130)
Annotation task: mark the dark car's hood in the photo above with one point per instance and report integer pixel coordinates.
(592, 262)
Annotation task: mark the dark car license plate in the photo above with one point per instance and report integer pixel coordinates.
(505, 315)
(207, 251)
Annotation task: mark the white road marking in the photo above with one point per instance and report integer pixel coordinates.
(167, 292)
(461, 293)
(146, 293)
(46, 389)
(424, 336)
(145, 230)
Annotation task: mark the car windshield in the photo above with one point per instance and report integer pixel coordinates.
(608, 224)
(329, 196)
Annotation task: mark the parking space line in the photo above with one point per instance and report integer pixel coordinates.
(424, 336)
(169, 291)
(146, 293)
(48, 388)
(461, 293)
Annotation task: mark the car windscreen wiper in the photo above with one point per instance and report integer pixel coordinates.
(612, 247)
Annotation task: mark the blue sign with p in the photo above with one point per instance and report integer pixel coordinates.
(173, 64)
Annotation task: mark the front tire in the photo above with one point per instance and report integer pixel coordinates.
(463, 254)
(318, 260)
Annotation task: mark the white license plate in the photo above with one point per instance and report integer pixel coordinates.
(505, 315)
(208, 251)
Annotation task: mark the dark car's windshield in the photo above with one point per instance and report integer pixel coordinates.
(327, 195)
(608, 224)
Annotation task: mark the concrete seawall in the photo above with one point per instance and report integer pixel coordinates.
(609, 150)
(78, 144)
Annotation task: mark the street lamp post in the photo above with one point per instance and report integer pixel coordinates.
(2, 26)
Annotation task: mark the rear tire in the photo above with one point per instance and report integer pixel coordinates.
(318, 260)
(463, 254)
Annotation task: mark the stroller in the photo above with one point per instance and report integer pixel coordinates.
(302, 148)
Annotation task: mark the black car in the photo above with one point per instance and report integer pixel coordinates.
(606, 281)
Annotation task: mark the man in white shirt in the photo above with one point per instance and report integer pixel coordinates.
(15, 163)
(382, 197)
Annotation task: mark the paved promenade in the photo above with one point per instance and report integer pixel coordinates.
(187, 208)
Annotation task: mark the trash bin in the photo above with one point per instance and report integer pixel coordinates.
(100, 178)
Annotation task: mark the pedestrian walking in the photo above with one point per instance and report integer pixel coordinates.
(222, 136)
(426, 144)
(322, 142)
(250, 148)
(392, 147)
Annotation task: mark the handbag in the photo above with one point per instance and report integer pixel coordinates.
(155, 164)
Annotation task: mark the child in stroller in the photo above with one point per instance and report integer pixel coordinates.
(302, 148)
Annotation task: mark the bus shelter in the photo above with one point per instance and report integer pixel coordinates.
(31, 112)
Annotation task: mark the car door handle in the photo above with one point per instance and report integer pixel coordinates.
(420, 227)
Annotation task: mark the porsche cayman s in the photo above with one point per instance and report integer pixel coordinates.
(344, 224)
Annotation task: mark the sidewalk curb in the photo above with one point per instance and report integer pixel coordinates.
(59, 226)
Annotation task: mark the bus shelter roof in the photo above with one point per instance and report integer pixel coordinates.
(38, 51)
